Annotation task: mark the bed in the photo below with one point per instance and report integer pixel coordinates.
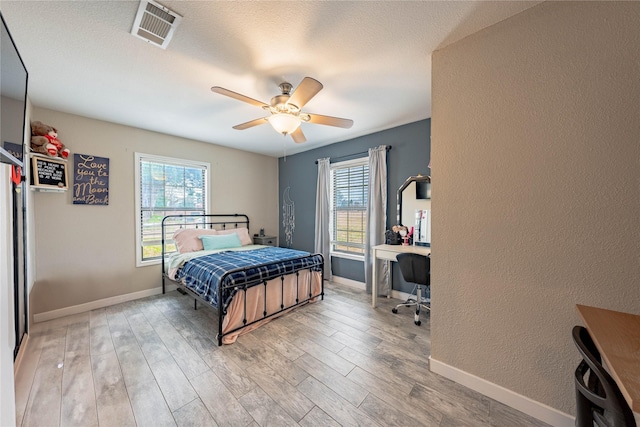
(213, 259)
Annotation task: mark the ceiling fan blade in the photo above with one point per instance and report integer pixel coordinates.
(252, 123)
(298, 136)
(307, 89)
(235, 95)
(330, 121)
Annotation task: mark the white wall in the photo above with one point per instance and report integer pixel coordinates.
(86, 253)
(7, 332)
(7, 322)
(536, 171)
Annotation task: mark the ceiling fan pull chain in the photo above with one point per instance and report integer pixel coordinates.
(284, 146)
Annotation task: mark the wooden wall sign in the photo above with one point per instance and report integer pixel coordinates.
(49, 173)
(91, 180)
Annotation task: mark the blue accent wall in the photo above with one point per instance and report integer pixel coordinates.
(409, 156)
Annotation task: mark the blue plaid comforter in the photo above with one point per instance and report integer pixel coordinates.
(203, 274)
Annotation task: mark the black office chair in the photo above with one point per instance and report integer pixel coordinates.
(416, 269)
(598, 398)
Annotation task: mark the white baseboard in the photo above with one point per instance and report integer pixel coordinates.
(510, 398)
(348, 282)
(400, 295)
(105, 302)
(21, 353)
(362, 286)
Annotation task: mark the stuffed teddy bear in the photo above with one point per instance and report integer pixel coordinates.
(44, 139)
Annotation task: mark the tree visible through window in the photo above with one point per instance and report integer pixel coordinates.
(165, 186)
(349, 189)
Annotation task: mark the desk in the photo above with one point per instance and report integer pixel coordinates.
(617, 337)
(389, 253)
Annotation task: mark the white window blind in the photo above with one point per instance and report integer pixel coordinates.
(349, 189)
(165, 186)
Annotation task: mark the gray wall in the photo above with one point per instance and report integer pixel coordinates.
(409, 156)
(535, 204)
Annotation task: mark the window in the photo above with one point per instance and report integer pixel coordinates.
(165, 186)
(349, 190)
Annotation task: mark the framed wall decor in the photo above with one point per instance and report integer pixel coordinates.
(90, 180)
(48, 173)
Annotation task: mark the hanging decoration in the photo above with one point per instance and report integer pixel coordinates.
(16, 174)
(288, 216)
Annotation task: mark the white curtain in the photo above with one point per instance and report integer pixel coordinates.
(322, 234)
(377, 218)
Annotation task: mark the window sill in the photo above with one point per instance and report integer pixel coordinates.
(148, 263)
(347, 256)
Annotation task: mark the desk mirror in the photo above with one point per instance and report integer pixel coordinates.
(414, 207)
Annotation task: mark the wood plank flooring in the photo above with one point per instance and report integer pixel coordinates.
(155, 362)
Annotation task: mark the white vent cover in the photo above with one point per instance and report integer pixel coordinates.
(155, 23)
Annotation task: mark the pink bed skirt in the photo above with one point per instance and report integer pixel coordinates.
(255, 301)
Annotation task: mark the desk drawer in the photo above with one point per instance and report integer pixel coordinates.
(388, 255)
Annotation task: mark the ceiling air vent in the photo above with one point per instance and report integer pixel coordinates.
(155, 23)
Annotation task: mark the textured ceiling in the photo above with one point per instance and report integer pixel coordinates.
(374, 59)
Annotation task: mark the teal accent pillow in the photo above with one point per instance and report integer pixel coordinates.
(224, 241)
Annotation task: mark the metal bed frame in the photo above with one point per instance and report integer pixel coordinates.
(171, 223)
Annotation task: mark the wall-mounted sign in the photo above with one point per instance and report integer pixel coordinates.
(90, 180)
(48, 173)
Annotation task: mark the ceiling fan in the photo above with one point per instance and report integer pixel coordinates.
(285, 109)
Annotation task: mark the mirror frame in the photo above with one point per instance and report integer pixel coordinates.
(417, 178)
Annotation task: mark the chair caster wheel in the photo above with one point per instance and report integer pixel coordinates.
(394, 310)
(418, 322)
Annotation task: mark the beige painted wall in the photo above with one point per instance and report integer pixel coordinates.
(86, 253)
(536, 169)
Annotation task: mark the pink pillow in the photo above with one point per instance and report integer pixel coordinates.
(187, 240)
(243, 234)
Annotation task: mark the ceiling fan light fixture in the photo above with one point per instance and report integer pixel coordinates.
(284, 123)
(284, 111)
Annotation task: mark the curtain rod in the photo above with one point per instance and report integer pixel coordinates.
(331, 159)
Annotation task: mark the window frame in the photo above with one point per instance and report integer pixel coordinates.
(361, 161)
(139, 158)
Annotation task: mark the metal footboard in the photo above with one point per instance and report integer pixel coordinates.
(226, 292)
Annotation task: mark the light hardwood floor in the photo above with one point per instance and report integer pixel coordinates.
(154, 361)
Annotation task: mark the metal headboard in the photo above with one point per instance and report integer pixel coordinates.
(171, 223)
